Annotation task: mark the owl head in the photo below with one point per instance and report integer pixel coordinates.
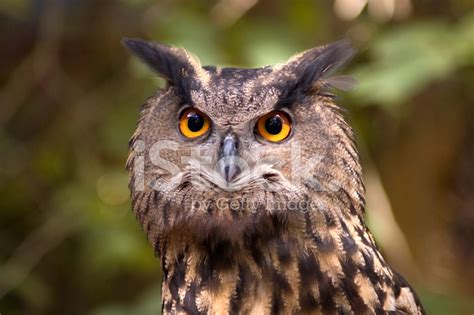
(220, 152)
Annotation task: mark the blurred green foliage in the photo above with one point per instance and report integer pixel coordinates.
(409, 58)
(69, 243)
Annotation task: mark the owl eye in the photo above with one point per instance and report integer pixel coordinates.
(193, 123)
(274, 126)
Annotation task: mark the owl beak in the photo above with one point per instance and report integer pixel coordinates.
(228, 158)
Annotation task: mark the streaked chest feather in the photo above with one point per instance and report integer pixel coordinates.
(291, 274)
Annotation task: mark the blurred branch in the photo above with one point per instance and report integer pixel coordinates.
(35, 246)
(382, 221)
(381, 10)
(16, 90)
(40, 67)
(385, 226)
(227, 12)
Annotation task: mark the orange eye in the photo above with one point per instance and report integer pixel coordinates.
(193, 123)
(274, 126)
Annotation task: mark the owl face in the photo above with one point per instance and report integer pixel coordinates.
(222, 150)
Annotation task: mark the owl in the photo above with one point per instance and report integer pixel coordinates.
(248, 185)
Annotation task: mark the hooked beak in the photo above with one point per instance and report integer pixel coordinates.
(228, 156)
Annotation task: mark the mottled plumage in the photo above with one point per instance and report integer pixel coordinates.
(281, 237)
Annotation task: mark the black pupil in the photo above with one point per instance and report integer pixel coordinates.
(195, 122)
(273, 125)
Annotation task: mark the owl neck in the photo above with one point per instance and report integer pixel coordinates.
(313, 264)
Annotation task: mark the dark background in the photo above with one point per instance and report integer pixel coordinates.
(69, 99)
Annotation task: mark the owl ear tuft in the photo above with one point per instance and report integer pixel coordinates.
(301, 73)
(175, 65)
